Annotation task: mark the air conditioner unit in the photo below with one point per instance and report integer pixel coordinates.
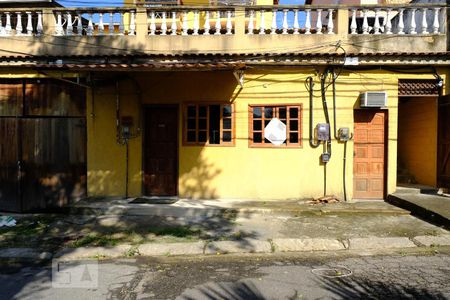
(373, 99)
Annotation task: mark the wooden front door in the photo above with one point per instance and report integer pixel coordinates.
(161, 151)
(369, 154)
(443, 161)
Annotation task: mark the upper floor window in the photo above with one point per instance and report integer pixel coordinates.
(209, 124)
(260, 116)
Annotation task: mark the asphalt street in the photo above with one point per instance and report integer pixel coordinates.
(289, 276)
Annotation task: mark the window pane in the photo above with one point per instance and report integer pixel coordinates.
(268, 112)
(202, 124)
(282, 113)
(293, 112)
(257, 125)
(293, 125)
(227, 136)
(293, 137)
(202, 111)
(191, 136)
(227, 111)
(10, 99)
(191, 124)
(257, 112)
(226, 123)
(257, 137)
(202, 136)
(267, 141)
(191, 111)
(266, 122)
(214, 124)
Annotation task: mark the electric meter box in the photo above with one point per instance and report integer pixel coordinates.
(325, 157)
(344, 134)
(323, 131)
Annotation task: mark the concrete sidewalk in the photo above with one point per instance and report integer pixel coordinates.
(218, 227)
(425, 203)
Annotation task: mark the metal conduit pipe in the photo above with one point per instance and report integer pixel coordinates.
(311, 113)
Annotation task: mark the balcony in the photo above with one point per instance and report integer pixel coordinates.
(243, 30)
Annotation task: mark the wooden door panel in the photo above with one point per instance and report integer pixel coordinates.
(443, 162)
(369, 154)
(161, 151)
(9, 172)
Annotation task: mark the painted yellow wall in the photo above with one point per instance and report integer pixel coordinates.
(418, 138)
(239, 171)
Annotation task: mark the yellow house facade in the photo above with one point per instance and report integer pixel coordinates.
(240, 170)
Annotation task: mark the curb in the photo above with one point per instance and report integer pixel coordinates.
(230, 247)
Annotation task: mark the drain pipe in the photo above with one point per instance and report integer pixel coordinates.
(311, 113)
(336, 137)
(120, 139)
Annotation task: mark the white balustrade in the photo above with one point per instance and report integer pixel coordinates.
(19, 27)
(164, 24)
(79, 24)
(229, 25)
(152, 23)
(319, 21)
(69, 29)
(196, 23)
(29, 24)
(132, 24)
(388, 26)
(308, 22)
(262, 23)
(39, 26)
(330, 24)
(90, 27)
(296, 25)
(101, 26)
(121, 25)
(273, 27)
(8, 28)
(174, 26)
(376, 26)
(285, 22)
(412, 27)
(353, 24)
(409, 20)
(218, 25)
(184, 26)
(424, 21)
(251, 22)
(207, 26)
(436, 24)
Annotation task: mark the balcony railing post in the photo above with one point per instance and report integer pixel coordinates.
(342, 21)
(239, 21)
(141, 24)
(48, 21)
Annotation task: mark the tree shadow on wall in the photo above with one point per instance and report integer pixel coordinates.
(363, 288)
(196, 180)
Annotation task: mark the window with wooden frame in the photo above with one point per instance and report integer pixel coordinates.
(261, 115)
(209, 124)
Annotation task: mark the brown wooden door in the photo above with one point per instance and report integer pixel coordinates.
(443, 167)
(9, 165)
(161, 151)
(369, 154)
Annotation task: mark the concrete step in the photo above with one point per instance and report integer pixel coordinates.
(416, 189)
